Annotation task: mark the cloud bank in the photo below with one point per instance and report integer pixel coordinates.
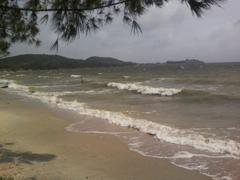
(169, 33)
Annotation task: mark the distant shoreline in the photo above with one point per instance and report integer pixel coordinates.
(48, 62)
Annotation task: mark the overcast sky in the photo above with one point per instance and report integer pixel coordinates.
(169, 33)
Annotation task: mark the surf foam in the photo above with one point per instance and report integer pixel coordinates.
(148, 90)
(75, 76)
(161, 132)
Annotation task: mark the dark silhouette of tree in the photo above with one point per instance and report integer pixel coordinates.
(20, 19)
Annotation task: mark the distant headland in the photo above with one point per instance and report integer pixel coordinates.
(42, 61)
(45, 62)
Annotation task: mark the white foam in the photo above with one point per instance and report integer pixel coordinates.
(75, 76)
(20, 75)
(4, 81)
(202, 168)
(64, 93)
(94, 92)
(188, 155)
(193, 167)
(55, 86)
(17, 86)
(26, 89)
(5, 75)
(72, 129)
(165, 133)
(233, 129)
(224, 178)
(145, 89)
(43, 76)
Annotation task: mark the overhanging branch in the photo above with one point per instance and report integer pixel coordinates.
(62, 9)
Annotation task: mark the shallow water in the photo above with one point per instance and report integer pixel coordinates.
(188, 115)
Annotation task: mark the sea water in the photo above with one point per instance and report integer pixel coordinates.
(190, 115)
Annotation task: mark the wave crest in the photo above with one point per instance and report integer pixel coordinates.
(146, 90)
(162, 132)
(75, 75)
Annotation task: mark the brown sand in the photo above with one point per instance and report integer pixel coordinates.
(34, 144)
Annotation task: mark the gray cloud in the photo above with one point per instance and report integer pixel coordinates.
(169, 33)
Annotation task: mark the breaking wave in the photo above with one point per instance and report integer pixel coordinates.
(43, 76)
(75, 76)
(162, 132)
(141, 89)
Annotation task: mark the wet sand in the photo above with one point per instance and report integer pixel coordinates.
(35, 145)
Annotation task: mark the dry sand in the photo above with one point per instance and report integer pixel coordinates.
(35, 145)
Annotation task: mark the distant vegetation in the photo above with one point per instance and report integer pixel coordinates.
(45, 62)
(187, 61)
(40, 62)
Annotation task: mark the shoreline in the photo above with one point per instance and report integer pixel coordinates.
(35, 144)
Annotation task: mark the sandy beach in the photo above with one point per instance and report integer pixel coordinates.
(35, 145)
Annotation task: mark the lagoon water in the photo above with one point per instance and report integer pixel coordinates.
(189, 114)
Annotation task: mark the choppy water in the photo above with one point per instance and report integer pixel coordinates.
(187, 114)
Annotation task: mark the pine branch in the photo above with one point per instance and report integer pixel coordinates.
(62, 9)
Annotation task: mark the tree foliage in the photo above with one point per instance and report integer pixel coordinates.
(20, 19)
